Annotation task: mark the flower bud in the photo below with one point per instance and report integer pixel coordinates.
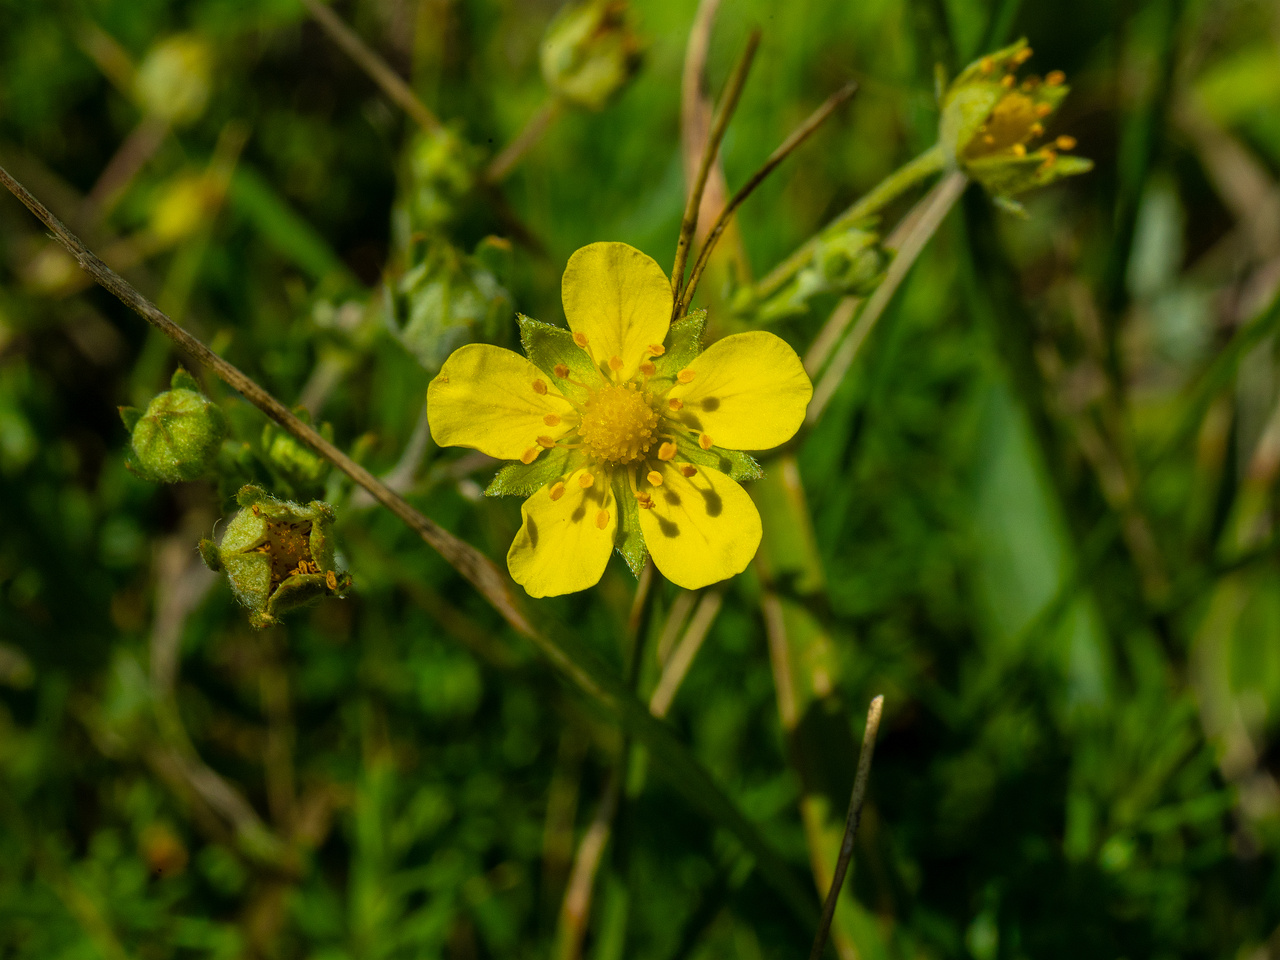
(298, 463)
(991, 121)
(173, 80)
(182, 207)
(589, 52)
(179, 435)
(277, 555)
(439, 173)
(448, 299)
(849, 262)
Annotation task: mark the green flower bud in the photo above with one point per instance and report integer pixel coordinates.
(448, 299)
(849, 262)
(173, 81)
(589, 52)
(277, 555)
(990, 122)
(440, 172)
(299, 464)
(179, 435)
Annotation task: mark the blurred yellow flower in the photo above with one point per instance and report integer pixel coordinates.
(626, 431)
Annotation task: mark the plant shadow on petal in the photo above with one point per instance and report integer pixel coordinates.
(669, 528)
(532, 527)
(710, 404)
(715, 504)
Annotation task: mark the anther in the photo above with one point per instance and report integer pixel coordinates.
(1019, 150)
(562, 371)
(586, 480)
(675, 403)
(648, 369)
(581, 340)
(1044, 109)
(688, 470)
(331, 580)
(1022, 56)
(546, 442)
(667, 451)
(557, 490)
(602, 519)
(615, 363)
(656, 349)
(987, 65)
(539, 388)
(1065, 142)
(530, 455)
(1037, 129)
(257, 510)
(686, 376)
(654, 477)
(704, 441)
(551, 420)
(1008, 81)
(1055, 78)
(1031, 82)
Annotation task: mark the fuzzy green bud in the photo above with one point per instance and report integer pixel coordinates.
(849, 262)
(447, 299)
(173, 81)
(277, 555)
(590, 52)
(993, 126)
(178, 436)
(299, 464)
(440, 171)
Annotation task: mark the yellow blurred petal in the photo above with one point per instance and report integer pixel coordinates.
(563, 546)
(487, 398)
(748, 392)
(620, 299)
(701, 529)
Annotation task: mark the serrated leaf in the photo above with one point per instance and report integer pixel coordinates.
(630, 541)
(738, 465)
(521, 480)
(548, 345)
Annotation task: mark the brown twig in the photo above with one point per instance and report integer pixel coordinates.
(851, 821)
(513, 152)
(696, 110)
(728, 103)
(681, 659)
(372, 64)
(797, 137)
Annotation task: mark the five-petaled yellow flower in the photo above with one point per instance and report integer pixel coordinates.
(625, 430)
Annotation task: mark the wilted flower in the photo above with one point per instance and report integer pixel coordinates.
(990, 122)
(278, 555)
(179, 435)
(173, 80)
(589, 52)
(625, 430)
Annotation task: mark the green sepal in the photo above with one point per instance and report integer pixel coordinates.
(547, 346)
(130, 416)
(522, 480)
(1008, 177)
(182, 380)
(209, 554)
(683, 344)
(738, 465)
(629, 541)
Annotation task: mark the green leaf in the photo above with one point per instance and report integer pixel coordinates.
(630, 541)
(521, 480)
(548, 345)
(738, 465)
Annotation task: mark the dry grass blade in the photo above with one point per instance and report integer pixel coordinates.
(797, 137)
(728, 103)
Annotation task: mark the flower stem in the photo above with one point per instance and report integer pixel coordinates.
(889, 189)
(510, 155)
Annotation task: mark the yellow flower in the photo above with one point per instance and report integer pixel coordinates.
(626, 432)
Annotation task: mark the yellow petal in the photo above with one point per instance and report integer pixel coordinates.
(747, 392)
(620, 299)
(493, 400)
(564, 544)
(701, 529)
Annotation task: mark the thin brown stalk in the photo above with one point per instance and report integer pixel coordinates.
(576, 907)
(514, 152)
(851, 821)
(677, 666)
(696, 110)
(797, 137)
(372, 64)
(724, 112)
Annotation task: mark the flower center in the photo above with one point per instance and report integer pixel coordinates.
(619, 424)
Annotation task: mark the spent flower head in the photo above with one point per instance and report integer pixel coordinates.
(993, 125)
(277, 555)
(627, 433)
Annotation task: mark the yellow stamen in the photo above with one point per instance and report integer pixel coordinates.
(1065, 142)
(667, 451)
(657, 349)
(987, 65)
(618, 423)
(530, 455)
(557, 490)
(686, 376)
(688, 470)
(602, 519)
(1019, 150)
(675, 403)
(1022, 56)
(648, 369)
(615, 363)
(654, 477)
(1055, 78)
(539, 388)
(1037, 129)
(1008, 81)
(581, 340)
(546, 442)
(1043, 109)
(551, 420)
(704, 441)
(562, 371)
(586, 480)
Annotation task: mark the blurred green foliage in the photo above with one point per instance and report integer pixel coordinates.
(1038, 514)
